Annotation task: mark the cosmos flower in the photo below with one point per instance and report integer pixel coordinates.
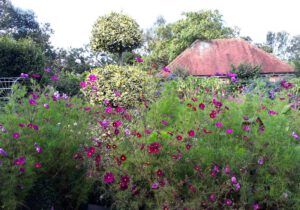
(93, 78)
(295, 135)
(3, 152)
(154, 148)
(54, 78)
(83, 84)
(24, 76)
(16, 135)
(191, 133)
(139, 59)
(109, 178)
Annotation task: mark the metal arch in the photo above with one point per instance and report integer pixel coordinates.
(6, 84)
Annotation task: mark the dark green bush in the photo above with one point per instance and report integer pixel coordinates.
(19, 56)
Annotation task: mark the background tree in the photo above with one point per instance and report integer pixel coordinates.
(169, 40)
(19, 56)
(116, 33)
(22, 24)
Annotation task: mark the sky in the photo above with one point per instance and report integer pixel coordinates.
(72, 20)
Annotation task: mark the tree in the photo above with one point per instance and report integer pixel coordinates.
(22, 24)
(19, 56)
(169, 40)
(116, 33)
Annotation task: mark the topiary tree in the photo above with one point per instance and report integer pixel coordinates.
(116, 33)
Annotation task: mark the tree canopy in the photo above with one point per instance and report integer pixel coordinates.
(116, 33)
(166, 41)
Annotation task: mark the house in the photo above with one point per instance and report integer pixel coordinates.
(216, 57)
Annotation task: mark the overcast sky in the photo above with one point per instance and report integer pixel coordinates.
(72, 20)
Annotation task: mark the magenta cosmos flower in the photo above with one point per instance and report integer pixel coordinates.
(191, 133)
(229, 131)
(154, 148)
(16, 135)
(92, 77)
(83, 84)
(108, 178)
(54, 78)
(139, 59)
(32, 102)
(219, 125)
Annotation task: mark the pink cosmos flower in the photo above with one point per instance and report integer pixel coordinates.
(229, 131)
(166, 69)
(24, 76)
(54, 78)
(109, 178)
(83, 84)
(108, 110)
(46, 106)
(260, 161)
(37, 76)
(117, 93)
(191, 133)
(154, 148)
(47, 70)
(212, 197)
(228, 202)
(16, 135)
(117, 123)
(202, 106)
(20, 161)
(234, 180)
(227, 169)
(32, 102)
(295, 135)
(38, 165)
(120, 110)
(256, 206)
(104, 123)
(164, 122)
(139, 59)
(3, 152)
(21, 125)
(271, 112)
(155, 185)
(93, 78)
(219, 125)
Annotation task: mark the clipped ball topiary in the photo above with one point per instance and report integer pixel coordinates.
(116, 33)
(120, 85)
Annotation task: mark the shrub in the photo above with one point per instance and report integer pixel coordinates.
(19, 56)
(246, 71)
(122, 85)
(40, 135)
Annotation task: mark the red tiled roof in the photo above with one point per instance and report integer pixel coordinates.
(205, 58)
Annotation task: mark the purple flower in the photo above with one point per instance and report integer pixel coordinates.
(219, 124)
(104, 123)
(246, 128)
(23, 75)
(260, 161)
(228, 202)
(20, 161)
(38, 148)
(256, 206)
(212, 197)
(229, 131)
(54, 78)
(234, 180)
(83, 84)
(127, 132)
(117, 93)
(106, 101)
(47, 70)
(108, 110)
(237, 187)
(32, 102)
(139, 59)
(155, 185)
(166, 69)
(3, 152)
(164, 122)
(295, 135)
(108, 178)
(46, 106)
(92, 77)
(16, 135)
(231, 75)
(272, 112)
(227, 169)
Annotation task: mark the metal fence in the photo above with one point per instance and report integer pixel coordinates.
(6, 84)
